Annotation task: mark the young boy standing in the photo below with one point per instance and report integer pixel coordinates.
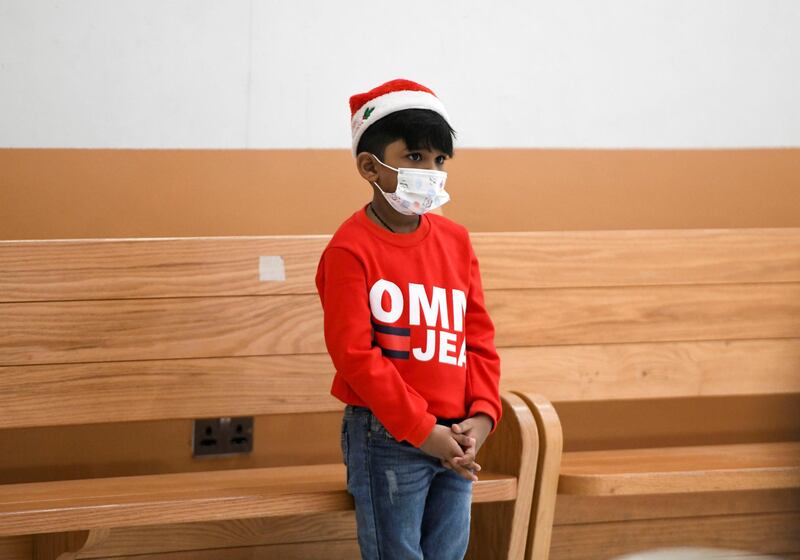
(409, 335)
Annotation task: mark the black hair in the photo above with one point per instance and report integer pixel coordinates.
(418, 128)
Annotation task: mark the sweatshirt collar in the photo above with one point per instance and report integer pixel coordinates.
(399, 239)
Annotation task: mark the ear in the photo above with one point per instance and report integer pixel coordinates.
(367, 166)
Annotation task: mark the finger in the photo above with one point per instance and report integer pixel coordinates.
(462, 439)
(465, 459)
(454, 449)
(461, 467)
(467, 462)
(461, 427)
(473, 467)
(466, 473)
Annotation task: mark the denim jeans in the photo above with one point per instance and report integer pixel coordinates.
(408, 506)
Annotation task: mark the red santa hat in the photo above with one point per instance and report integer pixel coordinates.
(395, 95)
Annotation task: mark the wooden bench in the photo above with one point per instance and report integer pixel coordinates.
(124, 342)
(670, 362)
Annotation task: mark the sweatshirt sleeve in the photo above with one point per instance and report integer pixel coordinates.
(483, 362)
(342, 286)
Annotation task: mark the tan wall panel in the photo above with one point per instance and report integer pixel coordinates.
(68, 193)
(531, 190)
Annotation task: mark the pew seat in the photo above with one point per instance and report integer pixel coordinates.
(75, 505)
(698, 468)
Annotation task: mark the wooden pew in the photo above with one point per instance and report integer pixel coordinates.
(670, 363)
(102, 335)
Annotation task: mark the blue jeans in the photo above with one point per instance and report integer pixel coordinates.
(408, 506)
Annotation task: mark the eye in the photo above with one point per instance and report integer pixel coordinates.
(440, 160)
(415, 156)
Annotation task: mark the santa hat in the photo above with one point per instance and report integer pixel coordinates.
(395, 95)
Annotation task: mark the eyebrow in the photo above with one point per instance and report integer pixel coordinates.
(417, 150)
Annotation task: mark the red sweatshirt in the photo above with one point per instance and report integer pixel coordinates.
(406, 326)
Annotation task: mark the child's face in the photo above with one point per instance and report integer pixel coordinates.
(398, 155)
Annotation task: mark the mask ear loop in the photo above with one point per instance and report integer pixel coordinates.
(385, 165)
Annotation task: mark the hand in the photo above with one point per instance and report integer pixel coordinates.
(445, 445)
(477, 428)
(464, 465)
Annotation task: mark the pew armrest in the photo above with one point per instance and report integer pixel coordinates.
(550, 435)
(499, 530)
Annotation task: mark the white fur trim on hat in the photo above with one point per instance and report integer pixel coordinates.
(389, 103)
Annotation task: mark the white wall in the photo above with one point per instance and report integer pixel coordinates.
(278, 74)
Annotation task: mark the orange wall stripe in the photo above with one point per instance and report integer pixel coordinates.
(72, 193)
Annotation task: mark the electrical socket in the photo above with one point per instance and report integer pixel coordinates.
(222, 436)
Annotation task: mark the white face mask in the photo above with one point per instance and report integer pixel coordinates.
(418, 190)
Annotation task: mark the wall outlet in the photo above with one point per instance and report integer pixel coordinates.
(222, 436)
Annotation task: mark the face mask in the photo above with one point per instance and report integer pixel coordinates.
(418, 190)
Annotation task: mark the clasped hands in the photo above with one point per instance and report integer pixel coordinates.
(457, 446)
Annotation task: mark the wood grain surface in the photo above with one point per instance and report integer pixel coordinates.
(186, 497)
(196, 267)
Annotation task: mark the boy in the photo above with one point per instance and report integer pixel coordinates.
(409, 335)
